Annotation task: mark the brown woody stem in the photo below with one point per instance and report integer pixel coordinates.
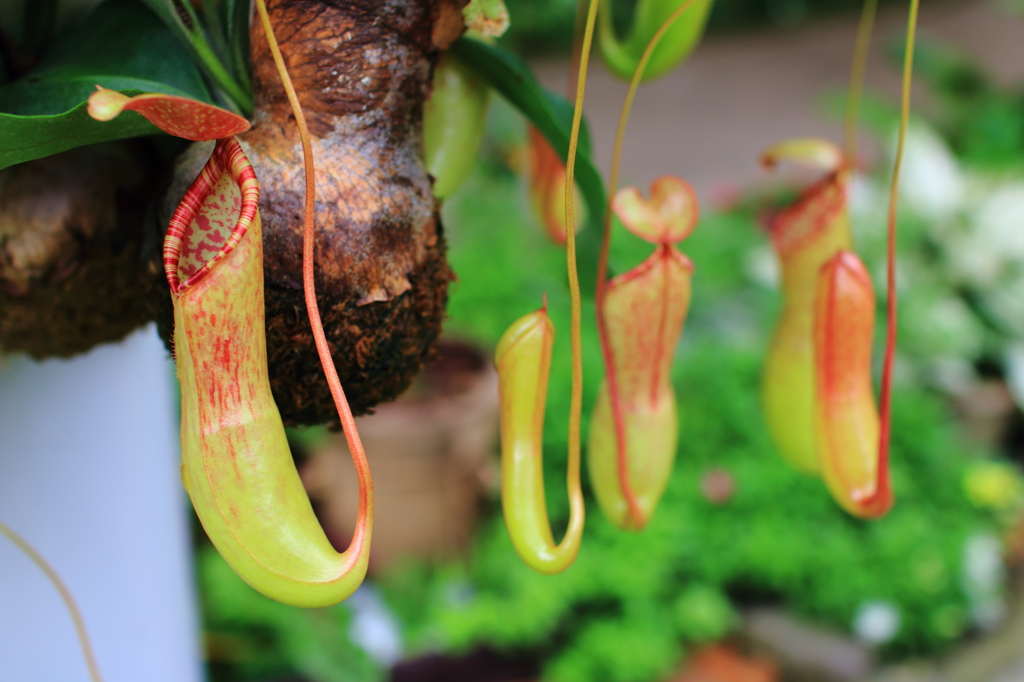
(309, 214)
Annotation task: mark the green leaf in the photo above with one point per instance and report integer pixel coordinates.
(182, 19)
(121, 46)
(552, 116)
(236, 22)
(31, 137)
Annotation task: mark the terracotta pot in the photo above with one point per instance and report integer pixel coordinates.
(720, 663)
(432, 455)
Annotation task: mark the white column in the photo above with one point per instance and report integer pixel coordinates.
(89, 476)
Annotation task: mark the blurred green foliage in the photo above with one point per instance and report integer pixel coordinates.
(983, 123)
(633, 602)
(545, 26)
(251, 637)
(625, 611)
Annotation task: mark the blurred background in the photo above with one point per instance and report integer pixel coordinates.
(748, 572)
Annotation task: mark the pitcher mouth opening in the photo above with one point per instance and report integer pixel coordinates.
(213, 216)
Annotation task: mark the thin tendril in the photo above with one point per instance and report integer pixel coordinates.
(578, 29)
(65, 594)
(309, 215)
(576, 405)
(890, 338)
(602, 263)
(856, 87)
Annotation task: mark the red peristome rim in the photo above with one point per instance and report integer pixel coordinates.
(817, 204)
(663, 251)
(227, 157)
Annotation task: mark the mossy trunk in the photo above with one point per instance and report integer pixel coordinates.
(362, 70)
(70, 233)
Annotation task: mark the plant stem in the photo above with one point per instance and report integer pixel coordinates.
(890, 336)
(215, 69)
(576, 403)
(348, 423)
(65, 595)
(856, 87)
(195, 38)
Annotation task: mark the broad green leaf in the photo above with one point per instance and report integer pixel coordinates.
(552, 116)
(23, 138)
(121, 46)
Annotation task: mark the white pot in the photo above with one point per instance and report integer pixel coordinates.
(89, 476)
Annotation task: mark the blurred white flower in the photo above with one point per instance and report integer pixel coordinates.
(952, 325)
(876, 622)
(983, 578)
(990, 247)
(931, 183)
(1000, 218)
(1006, 303)
(374, 627)
(1014, 358)
(762, 267)
(953, 374)
(868, 204)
